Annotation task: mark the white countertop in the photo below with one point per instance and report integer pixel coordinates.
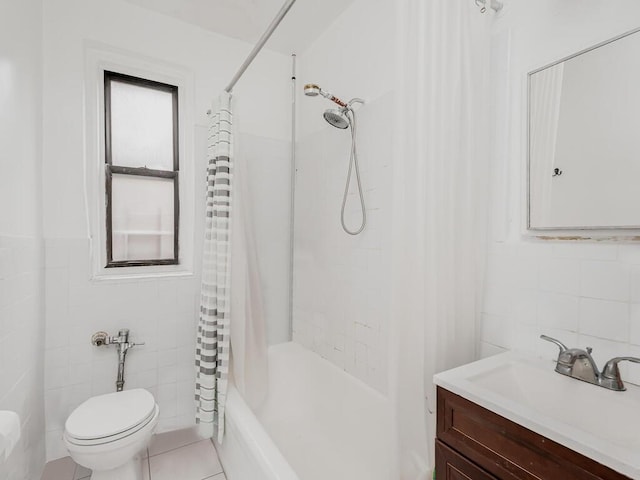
(601, 424)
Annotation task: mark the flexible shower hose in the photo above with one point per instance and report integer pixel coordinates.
(353, 160)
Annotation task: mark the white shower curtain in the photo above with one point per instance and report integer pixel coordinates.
(213, 340)
(231, 342)
(439, 217)
(249, 362)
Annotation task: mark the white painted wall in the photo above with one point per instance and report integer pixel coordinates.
(341, 304)
(21, 247)
(585, 294)
(160, 311)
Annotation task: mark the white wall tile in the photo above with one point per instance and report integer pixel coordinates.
(160, 313)
(558, 311)
(21, 250)
(22, 362)
(588, 316)
(560, 275)
(629, 254)
(341, 303)
(604, 319)
(589, 251)
(524, 308)
(495, 330)
(635, 284)
(605, 280)
(634, 328)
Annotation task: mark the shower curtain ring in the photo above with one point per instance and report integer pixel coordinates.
(482, 5)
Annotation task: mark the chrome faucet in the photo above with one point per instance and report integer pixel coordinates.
(122, 341)
(578, 363)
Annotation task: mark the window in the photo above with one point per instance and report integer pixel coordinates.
(141, 171)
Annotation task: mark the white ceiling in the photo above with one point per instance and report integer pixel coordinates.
(248, 19)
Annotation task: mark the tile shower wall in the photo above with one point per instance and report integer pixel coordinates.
(341, 302)
(21, 351)
(21, 246)
(341, 282)
(584, 293)
(160, 311)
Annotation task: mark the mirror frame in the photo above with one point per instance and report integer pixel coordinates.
(631, 229)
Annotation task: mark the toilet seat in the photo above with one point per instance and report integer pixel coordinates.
(111, 417)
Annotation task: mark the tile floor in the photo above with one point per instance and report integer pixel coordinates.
(170, 456)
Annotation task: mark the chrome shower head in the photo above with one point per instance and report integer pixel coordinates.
(337, 118)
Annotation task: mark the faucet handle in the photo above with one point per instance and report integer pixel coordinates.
(611, 372)
(563, 348)
(611, 369)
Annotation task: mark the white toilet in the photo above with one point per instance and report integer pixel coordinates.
(108, 433)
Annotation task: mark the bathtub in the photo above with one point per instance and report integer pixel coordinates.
(318, 423)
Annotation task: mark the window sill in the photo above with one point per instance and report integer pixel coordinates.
(141, 273)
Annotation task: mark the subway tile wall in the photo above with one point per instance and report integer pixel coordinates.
(584, 294)
(21, 351)
(159, 311)
(341, 282)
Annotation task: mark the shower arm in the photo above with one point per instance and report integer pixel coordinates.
(333, 98)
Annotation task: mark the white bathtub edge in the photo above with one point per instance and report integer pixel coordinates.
(247, 451)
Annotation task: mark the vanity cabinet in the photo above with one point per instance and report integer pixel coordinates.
(477, 444)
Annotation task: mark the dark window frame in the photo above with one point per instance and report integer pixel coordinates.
(111, 169)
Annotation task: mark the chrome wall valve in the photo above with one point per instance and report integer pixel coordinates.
(100, 339)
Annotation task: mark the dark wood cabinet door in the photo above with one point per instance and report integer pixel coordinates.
(450, 465)
(509, 451)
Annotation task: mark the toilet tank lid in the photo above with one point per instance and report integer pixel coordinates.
(110, 414)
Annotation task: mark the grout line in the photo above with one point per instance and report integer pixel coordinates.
(173, 449)
(216, 475)
(148, 463)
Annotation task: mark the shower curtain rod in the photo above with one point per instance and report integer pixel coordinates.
(265, 36)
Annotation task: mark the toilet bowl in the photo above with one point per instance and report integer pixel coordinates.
(108, 433)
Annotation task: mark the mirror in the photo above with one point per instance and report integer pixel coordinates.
(584, 139)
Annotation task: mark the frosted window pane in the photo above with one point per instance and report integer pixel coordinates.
(141, 127)
(142, 218)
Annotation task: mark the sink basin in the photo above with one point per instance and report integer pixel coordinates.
(599, 423)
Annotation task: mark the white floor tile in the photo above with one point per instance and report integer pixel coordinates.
(181, 454)
(193, 462)
(61, 469)
(81, 473)
(165, 442)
